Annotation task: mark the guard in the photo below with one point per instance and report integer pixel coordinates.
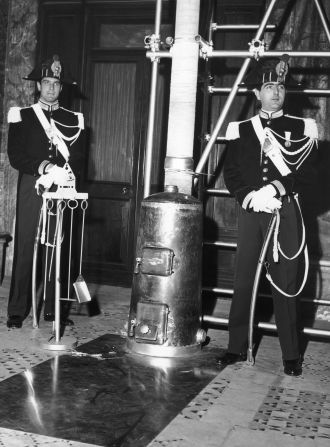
(270, 158)
(42, 139)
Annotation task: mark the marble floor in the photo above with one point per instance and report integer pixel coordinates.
(99, 394)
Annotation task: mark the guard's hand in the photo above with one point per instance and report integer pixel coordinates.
(43, 183)
(58, 174)
(268, 205)
(264, 200)
(266, 192)
(262, 197)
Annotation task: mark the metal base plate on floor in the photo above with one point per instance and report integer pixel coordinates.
(66, 343)
(162, 351)
(123, 398)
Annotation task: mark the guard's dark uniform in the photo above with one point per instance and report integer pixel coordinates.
(246, 170)
(29, 151)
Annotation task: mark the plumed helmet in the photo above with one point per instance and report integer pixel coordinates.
(50, 68)
(270, 70)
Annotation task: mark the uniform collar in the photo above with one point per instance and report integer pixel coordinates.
(49, 107)
(270, 115)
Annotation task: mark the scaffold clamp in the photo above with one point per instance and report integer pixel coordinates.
(152, 42)
(257, 48)
(206, 48)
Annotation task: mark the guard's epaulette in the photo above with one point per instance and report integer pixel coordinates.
(14, 115)
(80, 116)
(310, 129)
(232, 132)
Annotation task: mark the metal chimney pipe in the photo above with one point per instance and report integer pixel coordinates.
(179, 164)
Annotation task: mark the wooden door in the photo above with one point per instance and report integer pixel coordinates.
(117, 88)
(116, 115)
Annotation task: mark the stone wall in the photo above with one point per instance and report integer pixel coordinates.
(18, 31)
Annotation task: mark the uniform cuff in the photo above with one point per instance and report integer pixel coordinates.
(247, 200)
(42, 166)
(279, 187)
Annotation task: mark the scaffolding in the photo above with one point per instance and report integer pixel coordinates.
(257, 50)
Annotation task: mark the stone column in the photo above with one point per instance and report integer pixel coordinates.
(18, 49)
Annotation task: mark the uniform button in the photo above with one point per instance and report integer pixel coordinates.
(265, 170)
(266, 161)
(264, 179)
(50, 156)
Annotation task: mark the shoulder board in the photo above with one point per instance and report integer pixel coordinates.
(80, 116)
(14, 115)
(81, 121)
(232, 132)
(310, 129)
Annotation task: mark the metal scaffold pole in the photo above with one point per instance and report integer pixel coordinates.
(154, 44)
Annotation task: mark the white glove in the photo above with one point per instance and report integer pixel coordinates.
(45, 181)
(272, 205)
(264, 200)
(59, 175)
(267, 191)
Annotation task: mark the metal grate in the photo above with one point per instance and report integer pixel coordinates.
(295, 413)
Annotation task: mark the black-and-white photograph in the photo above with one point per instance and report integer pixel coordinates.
(165, 223)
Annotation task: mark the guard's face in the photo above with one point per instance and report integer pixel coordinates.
(49, 89)
(271, 95)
